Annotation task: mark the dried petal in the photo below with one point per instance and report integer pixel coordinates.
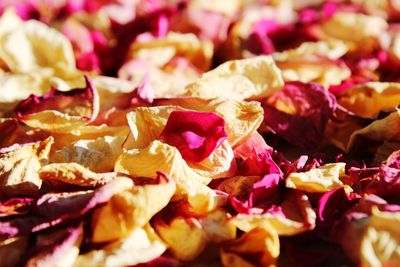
(322, 179)
(195, 134)
(98, 155)
(19, 166)
(131, 209)
(239, 79)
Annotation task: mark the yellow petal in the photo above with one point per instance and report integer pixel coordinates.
(54, 121)
(99, 155)
(141, 246)
(163, 157)
(184, 236)
(129, 210)
(261, 241)
(332, 49)
(19, 167)
(386, 129)
(322, 179)
(239, 79)
(73, 173)
(359, 31)
(219, 164)
(298, 217)
(368, 99)
(147, 123)
(88, 132)
(161, 50)
(218, 227)
(313, 69)
(380, 244)
(33, 45)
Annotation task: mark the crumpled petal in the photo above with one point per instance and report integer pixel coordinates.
(19, 166)
(59, 248)
(299, 113)
(54, 208)
(171, 232)
(195, 134)
(143, 132)
(368, 99)
(73, 174)
(386, 129)
(163, 157)
(359, 31)
(239, 79)
(98, 155)
(60, 111)
(219, 164)
(258, 247)
(160, 51)
(380, 244)
(131, 209)
(331, 49)
(242, 118)
(293, 216)
(320, 70)
(322, 179)
(141, 246)
(33, 45)
(218, 227)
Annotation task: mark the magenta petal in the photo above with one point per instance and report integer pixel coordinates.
(195, 134)
(267, 191)
(333, 204)
(258, 164)
(313, 107)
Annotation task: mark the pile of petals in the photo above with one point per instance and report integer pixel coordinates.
(199, 133)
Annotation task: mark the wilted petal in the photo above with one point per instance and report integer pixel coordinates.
(171, 232)
(368, 99)
(60, 111)
(359, 31)
(131, 209)
(161, 50)
(143, 132)
(141, 246)
(332, 49)
(242, 118)
(34, 45)
(386, 129)
(218, 227)
(299, 113)
(98, 155)
(239, 79)
(195, 134)
(380, 244)
(73, 174)
(60, 248)
(322, 179)
(220, 163)
(163, 157)
(258, 247)
(320, 70)
(19, 166)
(295, 215)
